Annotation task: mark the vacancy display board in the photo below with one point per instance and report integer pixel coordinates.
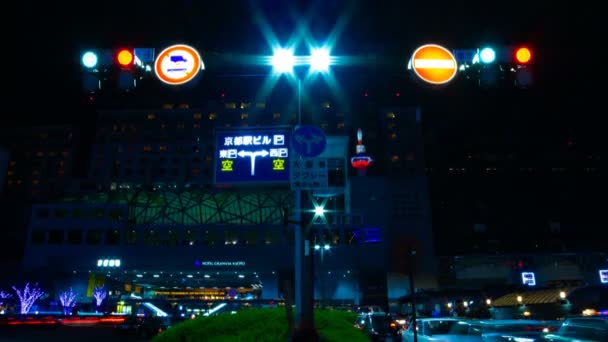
(252, 156)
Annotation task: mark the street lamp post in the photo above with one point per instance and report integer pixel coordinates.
(283, 62)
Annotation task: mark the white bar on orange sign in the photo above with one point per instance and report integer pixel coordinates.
(434, 64)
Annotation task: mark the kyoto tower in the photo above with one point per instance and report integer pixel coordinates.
(361, 160)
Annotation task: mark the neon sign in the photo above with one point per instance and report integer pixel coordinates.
(252, 156)
(604, 276)
(528, 278)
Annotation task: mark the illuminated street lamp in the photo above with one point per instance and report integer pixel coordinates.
(320, 60)
(283, 60)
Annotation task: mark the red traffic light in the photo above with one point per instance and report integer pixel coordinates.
(125, 57)
(523, 55)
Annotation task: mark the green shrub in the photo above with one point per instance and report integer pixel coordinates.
(261, 325)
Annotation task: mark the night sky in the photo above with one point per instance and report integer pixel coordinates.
(48, 37)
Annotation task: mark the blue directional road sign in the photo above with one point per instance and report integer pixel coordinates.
(309, 141)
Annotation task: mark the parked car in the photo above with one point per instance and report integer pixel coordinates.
(515, 329)
(443, 330)
(379, 326)
(581, 329)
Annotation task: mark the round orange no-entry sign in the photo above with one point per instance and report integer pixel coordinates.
(434, 64)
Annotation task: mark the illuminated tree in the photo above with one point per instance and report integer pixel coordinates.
(99, 293)
(28, 296)
(68, 300)
(3, 296)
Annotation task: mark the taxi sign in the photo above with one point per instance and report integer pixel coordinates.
(178, 64)
(434, 64)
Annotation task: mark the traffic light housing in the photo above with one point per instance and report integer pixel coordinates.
(496, 65)
(115, 68)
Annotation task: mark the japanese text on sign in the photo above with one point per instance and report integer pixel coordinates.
(252, 157)
(309, 174)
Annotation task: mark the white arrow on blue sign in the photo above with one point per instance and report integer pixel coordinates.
(309, 141)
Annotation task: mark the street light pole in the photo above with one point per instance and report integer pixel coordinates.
(282, 62)
(304, 271)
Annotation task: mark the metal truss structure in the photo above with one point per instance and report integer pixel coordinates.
(197, 207)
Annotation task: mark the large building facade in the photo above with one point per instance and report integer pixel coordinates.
(151, 202)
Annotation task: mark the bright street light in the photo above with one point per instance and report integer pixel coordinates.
(320, 60)
(319, 211)
(283, 60)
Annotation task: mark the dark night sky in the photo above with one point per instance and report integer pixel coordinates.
(52, 34)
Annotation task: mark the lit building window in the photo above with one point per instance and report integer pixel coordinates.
(245, 105)
(197, 116)
(35, 182)
(390, 115)
(196, 125)
(393, 136)
(168, 106)
(10, 173)
(184, 106)
(276, 115)
(326, 104)
(244, 116)
(340, 125)
(162, 148)
(230, 105)
(151, 116)
(147, 148)
(395, 158)
(260, 105)
(212, 116)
